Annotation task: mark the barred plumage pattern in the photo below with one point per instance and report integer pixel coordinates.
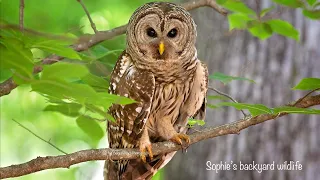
(168, 89)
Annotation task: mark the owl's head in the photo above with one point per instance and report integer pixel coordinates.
(161, 32)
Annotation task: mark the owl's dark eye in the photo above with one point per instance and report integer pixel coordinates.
(151, 32)
(172, 33)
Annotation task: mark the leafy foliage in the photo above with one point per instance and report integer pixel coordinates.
(245, 18)
(254, 109)
(258, 109)
(70, 86)
(308, 84)
(284, 28)
(193, 122)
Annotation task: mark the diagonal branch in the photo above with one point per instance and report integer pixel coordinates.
(86, 42)
(65, 161)
(54, 146)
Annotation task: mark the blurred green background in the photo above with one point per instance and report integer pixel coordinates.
(17, 144)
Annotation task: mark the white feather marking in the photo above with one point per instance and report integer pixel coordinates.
(144, 120)
(114, 127)
(125, 95)
(195, 55)
(129, 131)
(125, 62)
(138, 109)
(131, 71)
(122, 129)
(148, 109)
(117, 79)
(114, 86)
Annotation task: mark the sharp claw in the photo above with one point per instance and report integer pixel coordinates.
(143, 152)
(177, 139)
(149, 148)
(142, 155)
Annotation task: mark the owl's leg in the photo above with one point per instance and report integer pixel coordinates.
(145, 144)
(166, 130)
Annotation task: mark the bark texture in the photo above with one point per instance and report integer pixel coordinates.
(276, 64)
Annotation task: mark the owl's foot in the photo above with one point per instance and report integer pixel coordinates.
(177, 138)
(143, 147)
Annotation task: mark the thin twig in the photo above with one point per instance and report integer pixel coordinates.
(258, 9)
(39, 137)
(305, 96)
(65, 161)
(228, 96)
(21, 15)
(89, 17)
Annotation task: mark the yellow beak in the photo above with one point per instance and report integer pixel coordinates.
(161, 48)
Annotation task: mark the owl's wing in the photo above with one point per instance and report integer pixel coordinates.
(129, 81)
(201, 113)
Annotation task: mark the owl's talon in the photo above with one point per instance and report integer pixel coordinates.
(143, 152)
(177, 138)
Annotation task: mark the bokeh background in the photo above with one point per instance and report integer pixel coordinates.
(276, 64)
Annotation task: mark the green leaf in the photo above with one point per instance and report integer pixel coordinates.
(211, 106)
(284, 28)
(58, 88)
(312, 14)
(221, 2)
(56, 44)
(225, 79)
(57, 47)
(115, 98)
(295, 110)
(98, 83)
(290, 3)
(90, 127)
(311, 2)
(97, 52)
(68, 109)
(14, 56)
(238, 6)
(308, 84)
(64, 70)
(220, 97)
(265, 11)
(192, 122)
(238, 21)
(260, 30)
(254, 109)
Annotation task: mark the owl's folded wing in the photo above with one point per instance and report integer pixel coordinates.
(139, 85)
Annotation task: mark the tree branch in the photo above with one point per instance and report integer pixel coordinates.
(65, 161)
(89, 17)
(86, 42)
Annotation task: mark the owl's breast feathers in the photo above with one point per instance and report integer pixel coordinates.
(176, 100)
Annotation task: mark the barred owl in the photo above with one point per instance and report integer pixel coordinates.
(159, 70)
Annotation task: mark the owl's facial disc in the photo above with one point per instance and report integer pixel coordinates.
(161, 37)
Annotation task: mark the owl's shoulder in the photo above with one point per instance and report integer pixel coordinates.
(130, 81)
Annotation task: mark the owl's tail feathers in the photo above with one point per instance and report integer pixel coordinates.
(139, 170)
(110, 171)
